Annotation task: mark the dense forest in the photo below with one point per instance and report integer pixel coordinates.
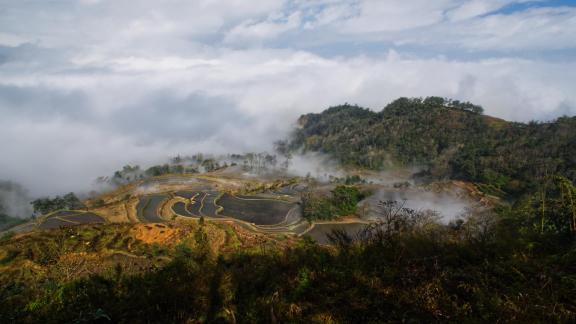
(448, 138)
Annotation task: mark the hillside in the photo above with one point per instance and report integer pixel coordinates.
(241, 240)
(449, 139)
(220, 273)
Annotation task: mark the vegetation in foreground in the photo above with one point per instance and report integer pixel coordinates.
(484, 268)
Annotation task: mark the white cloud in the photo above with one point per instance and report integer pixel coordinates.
(533, 29)
(11, 39)
(84, 124)
(267, 29)
(127, 24)
(396, 15)
(475, 8)
(136, 81)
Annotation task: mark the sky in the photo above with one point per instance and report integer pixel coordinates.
(87, 86)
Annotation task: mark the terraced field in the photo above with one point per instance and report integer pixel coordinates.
(290, 190)
(186, 194)
(180, 209)
(254, 210)
(176, 198)
(147, 208)
(201, 203)
(209, 207)
(196, 204)
(70, 218)
(265, 214)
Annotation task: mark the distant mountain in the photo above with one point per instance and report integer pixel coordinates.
(450, 139)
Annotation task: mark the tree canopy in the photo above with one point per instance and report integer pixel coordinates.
(449, 138)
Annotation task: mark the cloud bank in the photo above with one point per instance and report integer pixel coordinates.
(87, 86)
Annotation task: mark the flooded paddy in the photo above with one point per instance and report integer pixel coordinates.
(186, 194)
(254, 209)
(70, 218)
(195, 206)
(85, 218)
(66, 213)
(209, 207)
(51, 223)
(147, 208)
(180, 209)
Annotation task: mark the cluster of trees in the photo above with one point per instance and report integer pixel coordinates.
(47, 205)
(257, 162)
(436, 102)
(348, 180)
(197, 163)
(130, 173)
(449, 138)
(342, 201)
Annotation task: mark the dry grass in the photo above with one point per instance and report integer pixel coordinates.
(157, 233)
(114, 213)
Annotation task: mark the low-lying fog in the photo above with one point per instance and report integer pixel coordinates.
(14, 200)
(321, 167)
(448, 204)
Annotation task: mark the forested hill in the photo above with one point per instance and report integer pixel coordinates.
(450, 139)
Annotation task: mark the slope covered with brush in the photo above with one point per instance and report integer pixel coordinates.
(449, 138)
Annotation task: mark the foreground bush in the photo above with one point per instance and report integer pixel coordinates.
(421, 273)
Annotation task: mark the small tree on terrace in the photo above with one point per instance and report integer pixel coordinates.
(345, 199)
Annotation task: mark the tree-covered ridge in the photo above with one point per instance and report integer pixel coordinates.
(449, 138)
(47, 205)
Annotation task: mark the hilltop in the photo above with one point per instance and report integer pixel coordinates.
(448, 139)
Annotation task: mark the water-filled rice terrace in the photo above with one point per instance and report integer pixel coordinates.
(209, 207)
(198, 203)
(148, 208)
(251, 209)
(69, 218)
(275, 211)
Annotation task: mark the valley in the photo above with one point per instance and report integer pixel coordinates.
(270, 205)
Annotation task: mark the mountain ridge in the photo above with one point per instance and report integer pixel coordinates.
(453, 141)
